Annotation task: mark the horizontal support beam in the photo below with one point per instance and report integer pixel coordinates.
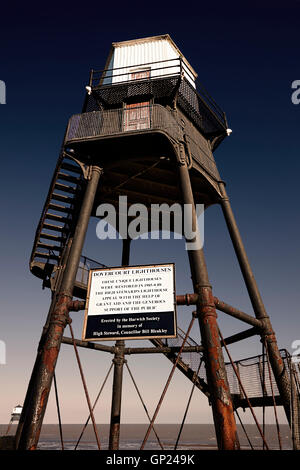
(192, 299)
(239, 336)
(163, 350)
(256, 401)
(234, 312)
(158, 349)
(187, 299)
(88, 345)
(111, 349)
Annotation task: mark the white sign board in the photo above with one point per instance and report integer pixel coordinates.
(131, 302)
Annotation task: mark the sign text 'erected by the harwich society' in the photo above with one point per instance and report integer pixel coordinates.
(131, 303)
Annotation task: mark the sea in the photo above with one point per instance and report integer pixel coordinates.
(193, 437)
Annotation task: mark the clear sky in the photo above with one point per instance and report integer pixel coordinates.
(247, 56)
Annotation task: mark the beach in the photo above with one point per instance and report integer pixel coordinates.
(193, 437)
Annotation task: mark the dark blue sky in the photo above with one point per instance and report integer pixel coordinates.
(247, 56)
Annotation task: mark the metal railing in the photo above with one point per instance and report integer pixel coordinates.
(255, 378)
(161, 70)
(156, 69)
(85, 265)
(98, 124)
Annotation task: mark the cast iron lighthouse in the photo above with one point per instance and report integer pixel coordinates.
(147, 131)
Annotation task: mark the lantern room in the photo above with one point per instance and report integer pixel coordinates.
(140, 77)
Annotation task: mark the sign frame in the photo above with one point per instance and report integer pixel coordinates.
(123, 337)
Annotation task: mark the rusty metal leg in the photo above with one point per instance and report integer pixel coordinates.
(119, 361)
(221, 401)
(29, 398)
(279, 370)
(295, 408)
(115, 417)
(36, 406)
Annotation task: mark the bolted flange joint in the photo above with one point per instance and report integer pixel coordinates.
(60, 320)
(267, 332)
(60, 315)
(206, 303)
(118, 361)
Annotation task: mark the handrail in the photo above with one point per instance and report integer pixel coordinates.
(95, 124)
(131, 71)
(109, 73)
(93, 71)
(98, 74)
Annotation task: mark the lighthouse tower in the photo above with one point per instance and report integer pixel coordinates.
(147, 131)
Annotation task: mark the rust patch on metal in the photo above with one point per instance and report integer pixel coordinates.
(57, 325)
(50, 356)
(187, 299)
(43, 399)
(76, 305)
(216, 373)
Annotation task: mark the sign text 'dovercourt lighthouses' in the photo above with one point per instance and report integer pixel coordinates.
(147, 131)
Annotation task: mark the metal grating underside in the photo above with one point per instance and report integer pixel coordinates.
(97, 124)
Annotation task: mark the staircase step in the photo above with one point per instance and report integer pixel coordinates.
(70, 167)
(58, 218)
(49, 247)
(55, 228)
(61, 197)
(65, 188)
(59, 208)
(50, 236)
(72, 179)
(48, 256)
